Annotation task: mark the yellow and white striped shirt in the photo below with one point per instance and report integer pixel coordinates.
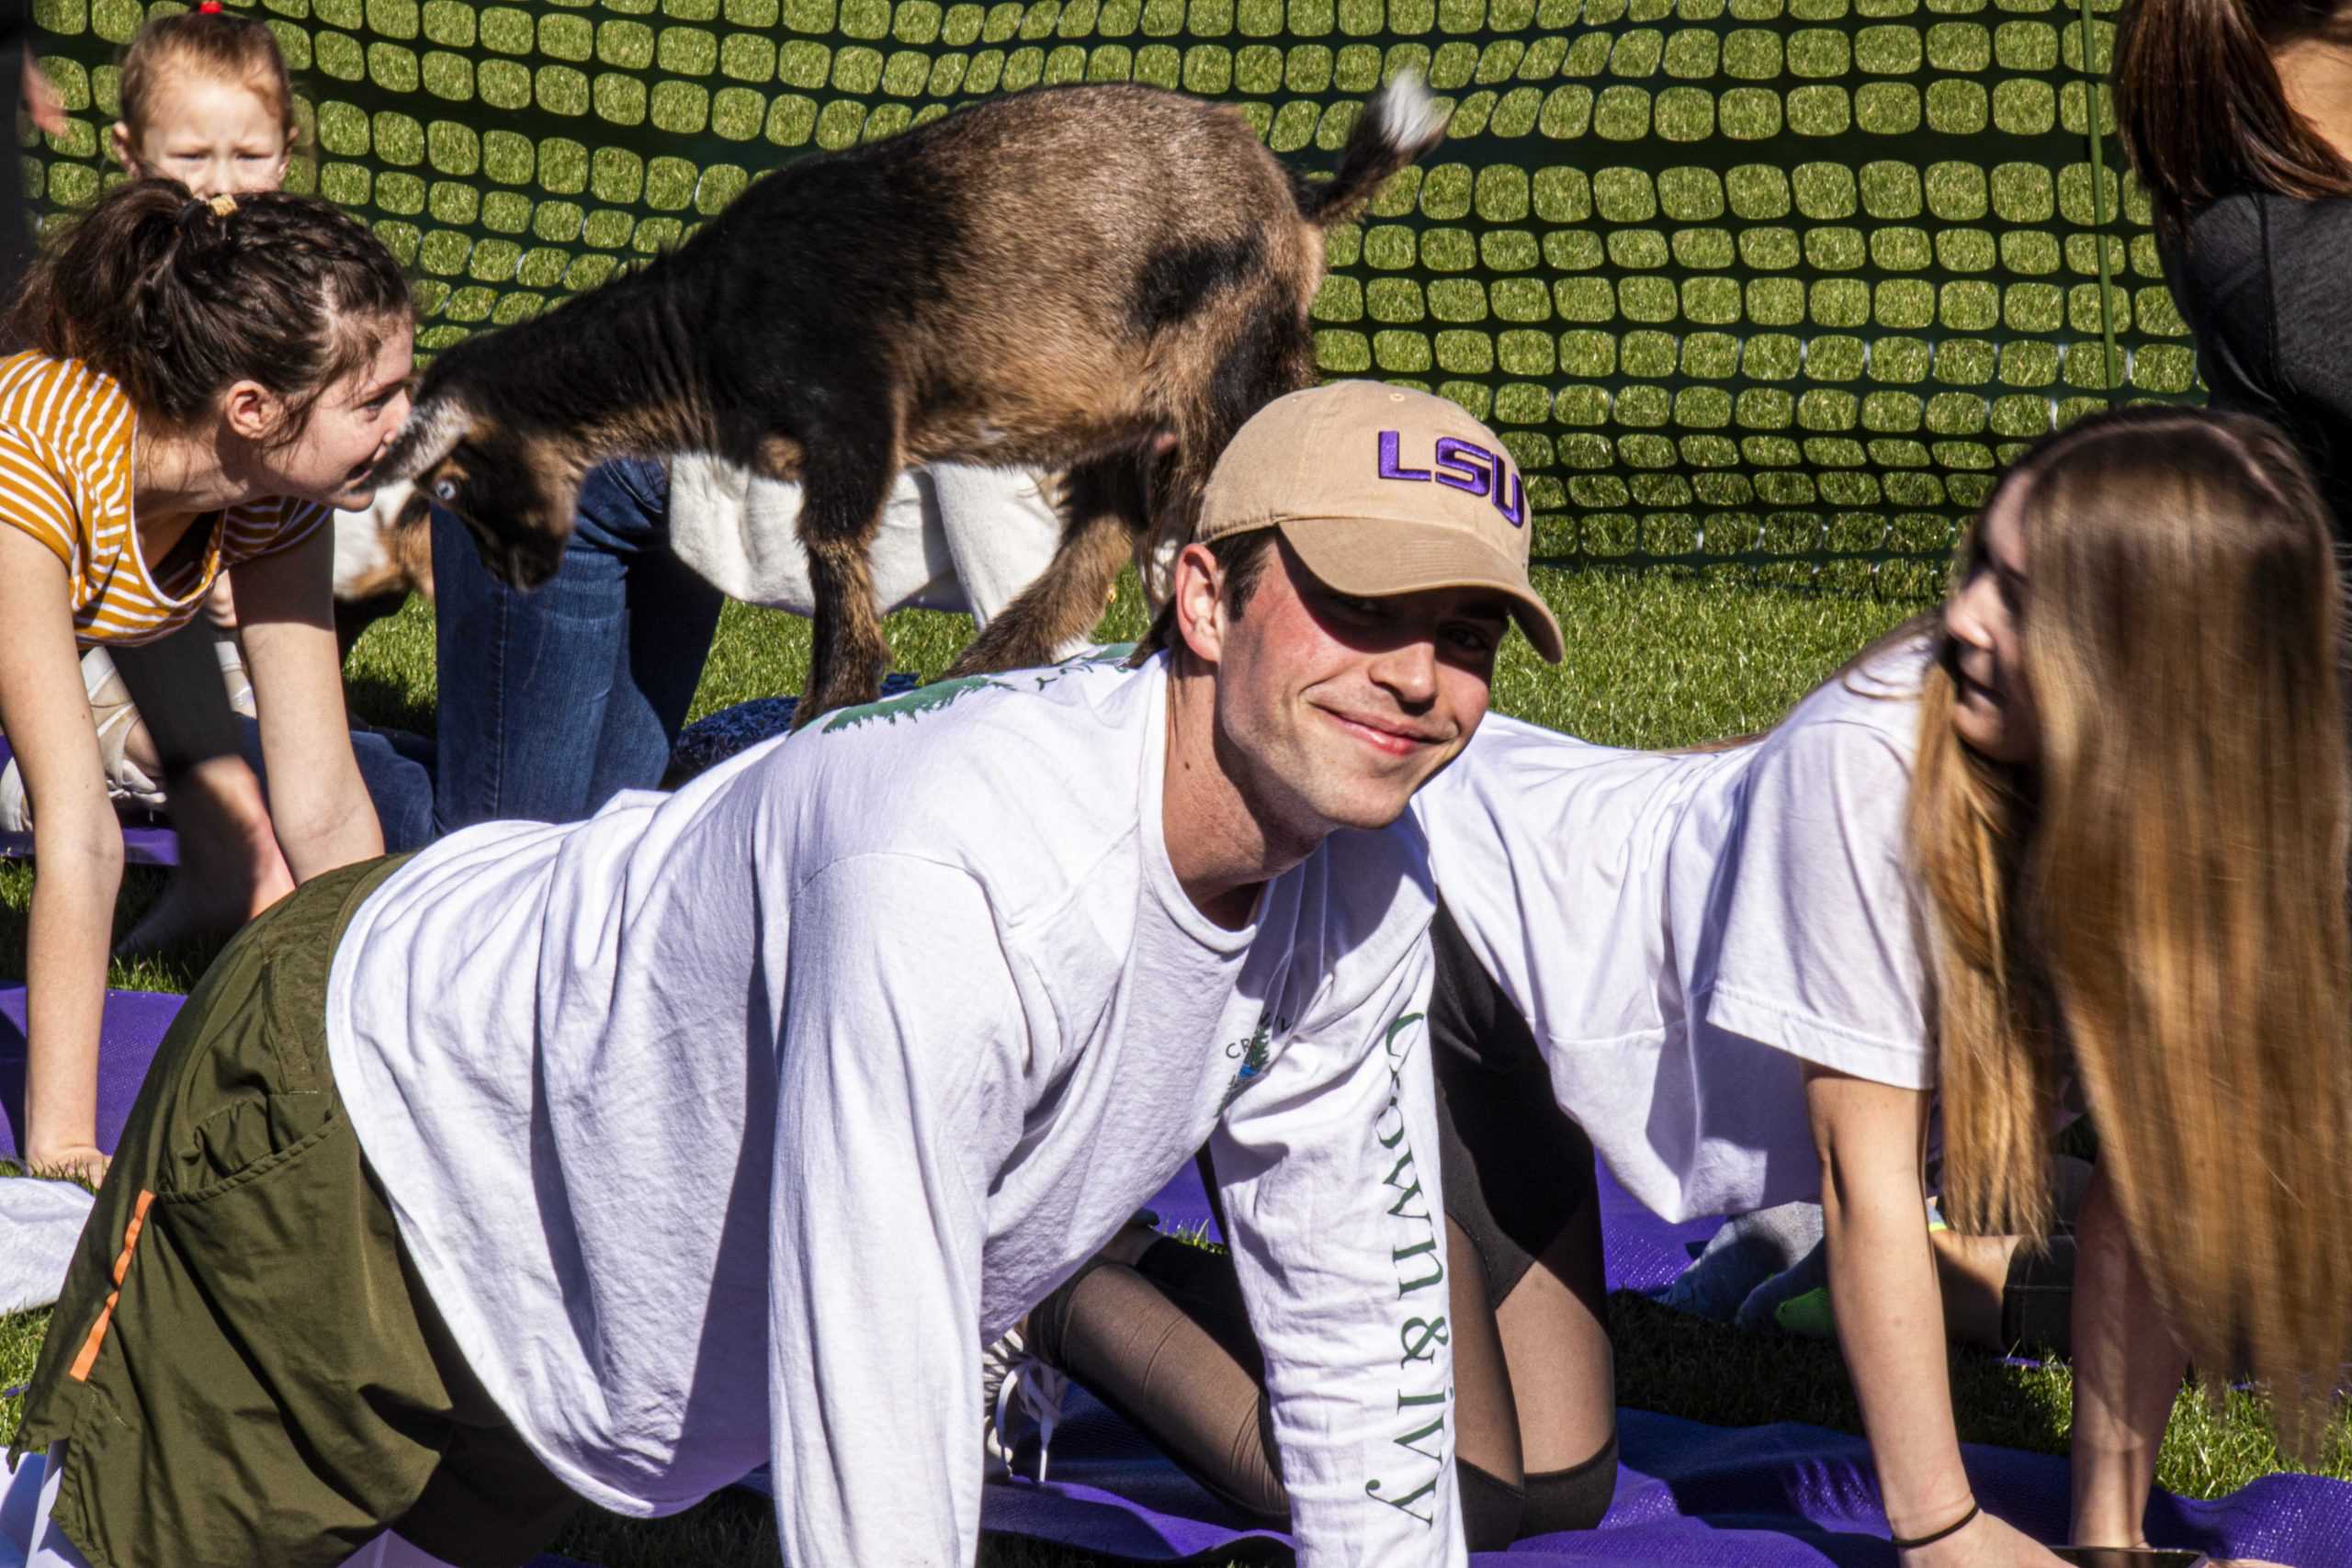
(65, 478)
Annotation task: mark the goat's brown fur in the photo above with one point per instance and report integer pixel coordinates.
(387, 556)
(1073, 278)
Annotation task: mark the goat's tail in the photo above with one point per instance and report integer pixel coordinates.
(1400, 124)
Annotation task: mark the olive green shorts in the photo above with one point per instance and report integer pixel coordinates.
(244, 1364)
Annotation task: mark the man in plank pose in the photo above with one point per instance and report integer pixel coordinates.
(610, 1159)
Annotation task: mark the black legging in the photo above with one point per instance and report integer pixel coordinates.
(1167, 1343)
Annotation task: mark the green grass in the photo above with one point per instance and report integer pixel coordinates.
(1656, 660)
(1687, 1367)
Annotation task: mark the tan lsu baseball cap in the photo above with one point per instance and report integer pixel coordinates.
(1383, 491)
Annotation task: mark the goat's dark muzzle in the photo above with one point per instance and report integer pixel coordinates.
(522, 561)
(525, 564)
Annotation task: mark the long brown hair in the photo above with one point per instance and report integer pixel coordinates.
(2159, 905)
(178, 298)
(2200, 107)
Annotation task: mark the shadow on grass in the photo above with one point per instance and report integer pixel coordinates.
(388, 704)
(1684, 1366)
(175, 970)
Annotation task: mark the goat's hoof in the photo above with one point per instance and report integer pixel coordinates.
(818, 699)
(979, 661)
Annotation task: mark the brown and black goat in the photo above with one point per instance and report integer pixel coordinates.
(1106, 280)
(383, 553)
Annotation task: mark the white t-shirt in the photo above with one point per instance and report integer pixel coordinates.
(1684, 931)
(951, 536)
(728, 1125)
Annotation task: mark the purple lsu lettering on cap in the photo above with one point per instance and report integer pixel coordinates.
(1382, 491)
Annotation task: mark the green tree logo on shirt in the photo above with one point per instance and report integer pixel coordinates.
(946, 694)
(914, 704)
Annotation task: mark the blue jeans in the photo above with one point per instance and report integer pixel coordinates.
(397, 768)
(551, 701)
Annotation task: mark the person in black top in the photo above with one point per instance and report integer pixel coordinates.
(2237, 115)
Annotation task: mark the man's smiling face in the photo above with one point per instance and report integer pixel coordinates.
(1337, 709)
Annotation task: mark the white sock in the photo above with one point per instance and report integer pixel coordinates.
(1747, 1250)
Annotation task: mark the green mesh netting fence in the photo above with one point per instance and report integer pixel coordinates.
(1773, 281)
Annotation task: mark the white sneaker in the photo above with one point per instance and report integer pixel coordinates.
(113, 717)
(112, 713)
(1021, 1404)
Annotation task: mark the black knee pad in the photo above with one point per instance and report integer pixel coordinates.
(1518, 1170)
(1491, 1507)
(1575, 1498)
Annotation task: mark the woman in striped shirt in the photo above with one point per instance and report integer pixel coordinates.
(207, 380)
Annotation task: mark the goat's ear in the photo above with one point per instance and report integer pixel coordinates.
(435, 425)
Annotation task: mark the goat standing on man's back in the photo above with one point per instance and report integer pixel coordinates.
(1105, 280)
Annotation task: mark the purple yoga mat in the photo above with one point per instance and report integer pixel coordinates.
(1688, 1497)
(133, 1027)
(141, 845)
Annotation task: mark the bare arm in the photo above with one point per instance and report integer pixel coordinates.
(2128, 1368)
(1871, 1138)
(78, 847)
(286, 603)
(42, 105)
(1882, 1280)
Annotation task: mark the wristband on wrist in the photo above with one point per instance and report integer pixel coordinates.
(1958, 1525)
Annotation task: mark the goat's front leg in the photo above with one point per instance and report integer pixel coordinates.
(1104, 505)
(1270, 352)
(846, 482)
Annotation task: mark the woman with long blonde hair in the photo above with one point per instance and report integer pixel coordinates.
(2078, 844)
(2128, 818)
(2136, 865)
